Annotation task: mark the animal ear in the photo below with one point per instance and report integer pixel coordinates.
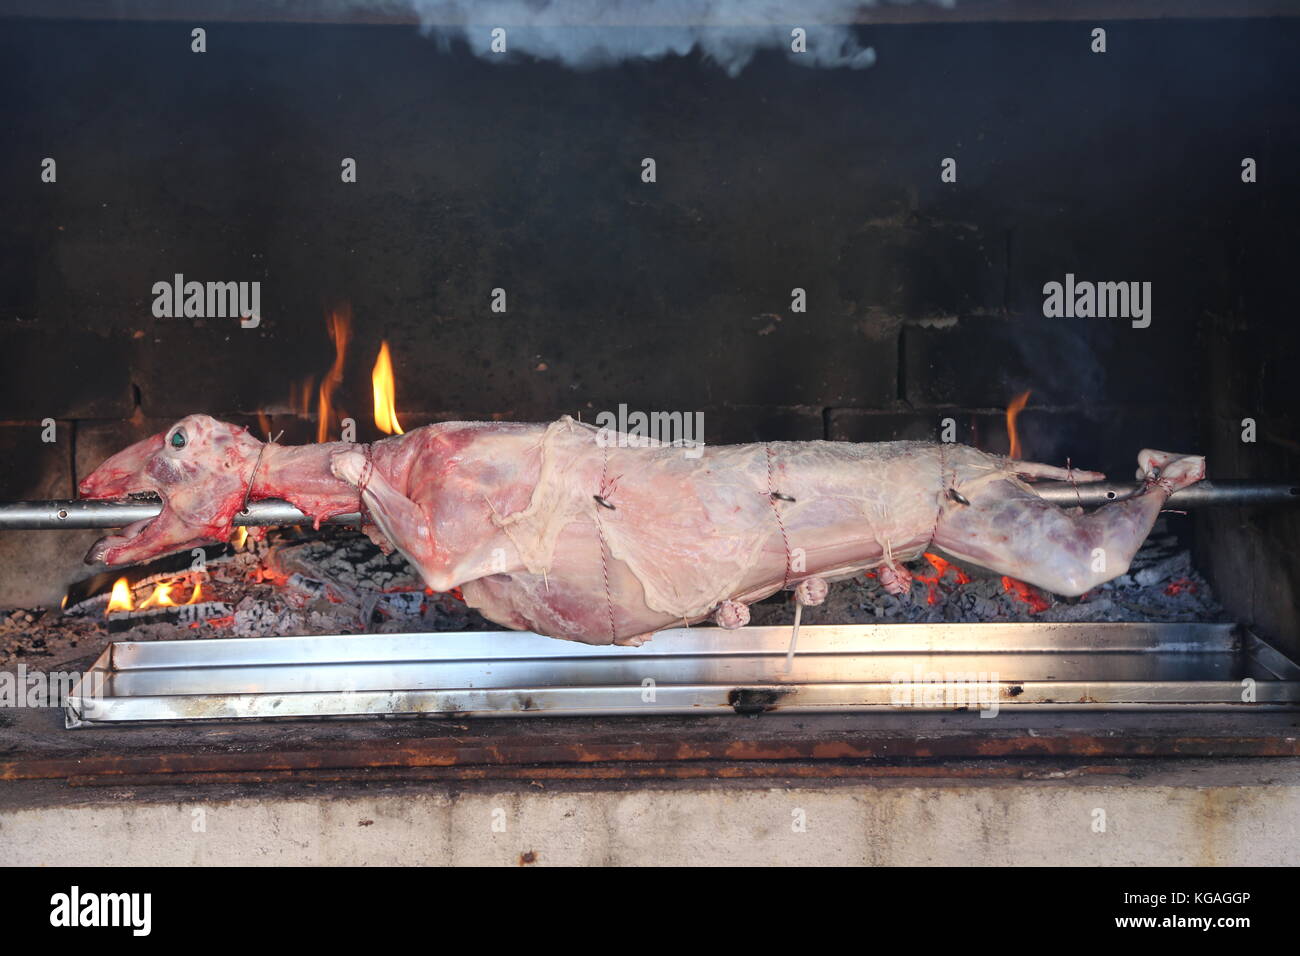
(238, 432)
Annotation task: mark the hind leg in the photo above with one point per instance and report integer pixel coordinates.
(1010, 530)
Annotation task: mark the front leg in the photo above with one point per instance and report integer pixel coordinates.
(401, 521)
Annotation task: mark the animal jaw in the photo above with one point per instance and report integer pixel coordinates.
(199, 467)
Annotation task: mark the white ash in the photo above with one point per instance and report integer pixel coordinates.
(351, 563)
(185, 614)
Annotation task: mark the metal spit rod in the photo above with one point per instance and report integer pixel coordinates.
(46, 515)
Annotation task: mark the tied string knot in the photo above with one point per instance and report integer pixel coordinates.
(1155, 480)
(257, 463)
(774, 496)
(363, 482)
(607, 489)
(944, 489)
(1069, 476)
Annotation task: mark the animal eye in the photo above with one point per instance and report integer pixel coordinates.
(178, 438)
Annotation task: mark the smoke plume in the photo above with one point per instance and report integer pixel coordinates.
(589, 34)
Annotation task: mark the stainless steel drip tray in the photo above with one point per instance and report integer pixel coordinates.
(899, 667)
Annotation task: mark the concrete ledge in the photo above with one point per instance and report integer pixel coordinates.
(1202, 813)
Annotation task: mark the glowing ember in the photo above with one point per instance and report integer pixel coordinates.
(1179, 586)
(1025, 594)
(120, 599)
(264, 574)
(1013, 411)
(340, 326)
(382, 378)
(941, 567)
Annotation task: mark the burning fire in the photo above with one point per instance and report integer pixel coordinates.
(1013, 412)
(340, 326)
(121, 598)
(300, 397)
(382, 379)
(238, 539)
(161, 597)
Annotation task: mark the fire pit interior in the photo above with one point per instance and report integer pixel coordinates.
(863, 250)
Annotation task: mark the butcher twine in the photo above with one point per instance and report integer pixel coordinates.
(364, 482)
(776, 510)
(361, 485)
(248, 492)
(943, 486)
(605, 492)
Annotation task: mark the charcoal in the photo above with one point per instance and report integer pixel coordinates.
(332, 582)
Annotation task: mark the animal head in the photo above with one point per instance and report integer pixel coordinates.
(201, 469)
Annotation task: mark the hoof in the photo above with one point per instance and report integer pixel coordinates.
(1171, 470)
(731, 615)
(811, 591)
(895, 580)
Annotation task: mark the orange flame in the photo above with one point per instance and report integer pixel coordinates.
(264, 424)
(1013, 411)
(300, 396)
(385, 407)
(239, 538)
(161, 597)
(340, 326)
(120, 599)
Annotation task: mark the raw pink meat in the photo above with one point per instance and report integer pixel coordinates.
(564, 530)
